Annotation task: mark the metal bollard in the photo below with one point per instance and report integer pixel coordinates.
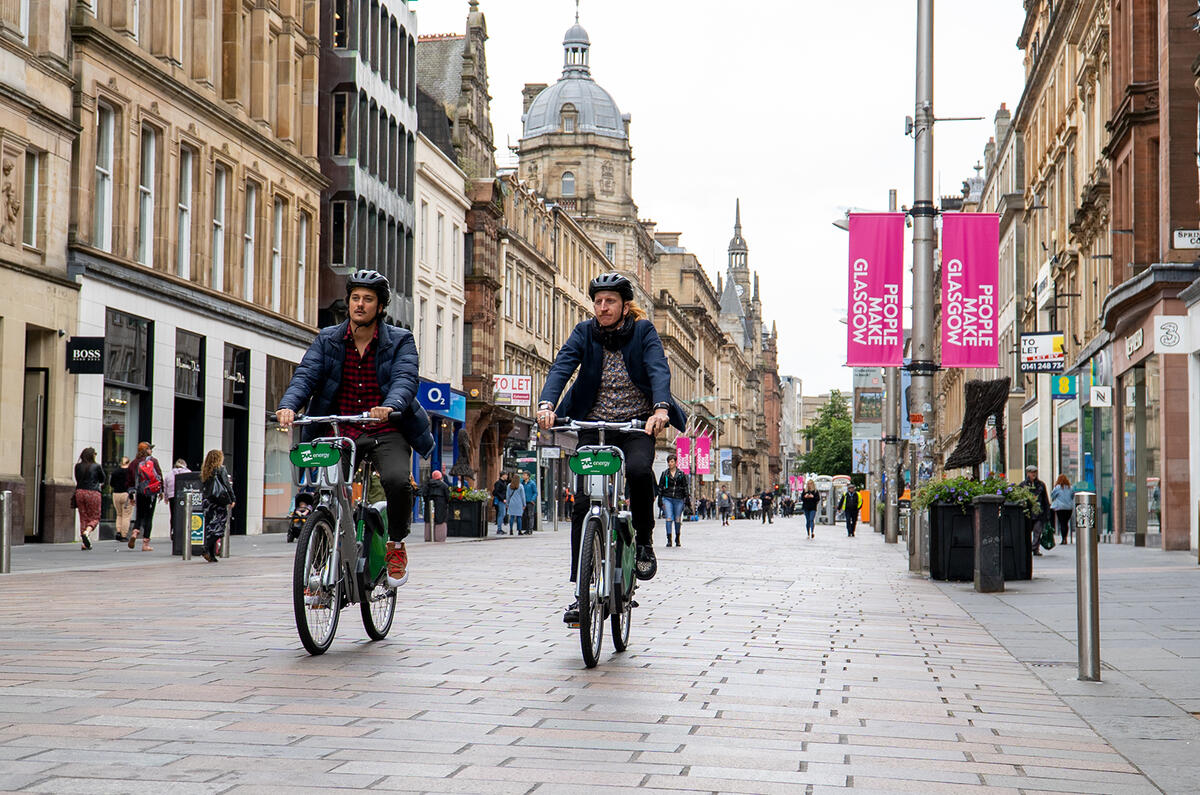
(5, 532)
(1087, 586)
(187, 525)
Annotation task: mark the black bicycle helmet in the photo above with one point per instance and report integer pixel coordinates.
(611, 281)
(372, 280)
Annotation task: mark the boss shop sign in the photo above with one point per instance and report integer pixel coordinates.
(85, 355)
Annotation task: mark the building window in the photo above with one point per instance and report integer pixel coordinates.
(610, 251)
(568, 183)
(145, 235)
(277, 255)
(218, 228)
(135, 15)
(437, 341)
(508, 293)
(441, 234)
(32, 199)
(337, 221)
(102, 214)
(454, 349)
(423, 320)
(521, 298)
(340, 24)
(425, 232)
(568, 118)
(301, 266)
(341, 124)
(183, 243)
(181, 10)
(456, 252)
(248, 242)
(466, 349)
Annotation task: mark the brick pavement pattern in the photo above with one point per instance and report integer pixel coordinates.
(759, 662)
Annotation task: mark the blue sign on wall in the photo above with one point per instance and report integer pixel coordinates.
(434, 396)
(458, 407)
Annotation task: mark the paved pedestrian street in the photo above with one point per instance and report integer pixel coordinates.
(759, 662)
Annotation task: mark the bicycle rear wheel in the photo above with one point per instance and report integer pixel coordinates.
(378, 610)
(316, 590)
(591, 604)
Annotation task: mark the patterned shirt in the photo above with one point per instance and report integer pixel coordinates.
(359, 390)
(618, 399)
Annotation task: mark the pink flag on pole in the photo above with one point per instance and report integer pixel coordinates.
(970, 286)
(875, 311)
(683, 449)
(703, 455)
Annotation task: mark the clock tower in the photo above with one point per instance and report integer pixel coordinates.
(739, 268)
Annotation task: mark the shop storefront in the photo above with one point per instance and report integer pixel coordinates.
(447, 410)
(1095, 379)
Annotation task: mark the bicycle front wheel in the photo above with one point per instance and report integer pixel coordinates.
(316, 588)
(591, 604)
(621, 622)
(378, 610)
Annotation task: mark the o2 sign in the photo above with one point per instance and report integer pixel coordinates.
(434, 396)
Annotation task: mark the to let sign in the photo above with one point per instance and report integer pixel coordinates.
(85, 355)
(512, 390)
(1042, 352)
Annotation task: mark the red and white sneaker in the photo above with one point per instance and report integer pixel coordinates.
(397, 563)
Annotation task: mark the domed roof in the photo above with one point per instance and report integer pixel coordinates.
(595, 110)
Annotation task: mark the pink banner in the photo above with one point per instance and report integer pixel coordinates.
(703, 455)
(683, 449)
(970, 286)
(875, 312)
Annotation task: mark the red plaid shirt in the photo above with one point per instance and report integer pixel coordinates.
(359, 390)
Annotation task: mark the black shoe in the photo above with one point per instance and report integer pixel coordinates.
(571, 615)
(668, 541)
(647, 564)
(87, 544)
(677, 542)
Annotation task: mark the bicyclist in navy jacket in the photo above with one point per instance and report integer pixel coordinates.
(366, 365)
(623, 375)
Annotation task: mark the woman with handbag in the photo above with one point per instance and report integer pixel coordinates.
(89, 480)
(218, 496)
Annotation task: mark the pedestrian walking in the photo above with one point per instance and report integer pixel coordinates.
(514, 503)
(146, 475)
(1062, 502)
(1038, 521)
(529, 520)
(180, 468)
(89, 480)
(849, 504)
(218, 499)
(810, 500)
(499, 498)
(122, 504)
(724, 506)
(437, 506)
(673, 489)
(768, 503)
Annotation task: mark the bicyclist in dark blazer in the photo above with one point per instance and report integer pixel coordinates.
(366, 365)
(623, 375)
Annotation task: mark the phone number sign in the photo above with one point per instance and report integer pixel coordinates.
(1043, 353)
(512, 390)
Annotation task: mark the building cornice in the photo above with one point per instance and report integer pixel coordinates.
(1158, 278)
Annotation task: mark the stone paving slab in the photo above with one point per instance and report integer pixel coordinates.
(782, 665)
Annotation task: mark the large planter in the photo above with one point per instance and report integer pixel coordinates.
(466, 519)
(952, 543)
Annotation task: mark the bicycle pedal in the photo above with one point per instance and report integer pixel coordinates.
(574, 626)
(634, 603)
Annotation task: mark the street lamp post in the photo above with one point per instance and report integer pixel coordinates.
(923, 366)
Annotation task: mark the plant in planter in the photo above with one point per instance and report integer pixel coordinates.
(467, 513)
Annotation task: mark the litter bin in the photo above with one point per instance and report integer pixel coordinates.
(188, 490)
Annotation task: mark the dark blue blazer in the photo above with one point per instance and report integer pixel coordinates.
(644, 359)
(319, 375)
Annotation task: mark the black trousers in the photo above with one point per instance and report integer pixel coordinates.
(851, 521)
(1063, 520)
(143, 518)
(393, 461)
(638, 448)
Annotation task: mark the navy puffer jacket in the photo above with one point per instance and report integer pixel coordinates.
(319, 375)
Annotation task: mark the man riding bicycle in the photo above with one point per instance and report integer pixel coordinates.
(623, 376)
(366, 366)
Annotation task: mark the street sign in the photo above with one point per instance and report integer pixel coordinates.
(85, 355)
(1186, 238)
(434, 396)
(1102, 397)
(550, 452)
(1042, 352)
(512, 390)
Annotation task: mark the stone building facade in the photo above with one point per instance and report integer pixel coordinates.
(194, 220)
(39, 302)
(367, 142)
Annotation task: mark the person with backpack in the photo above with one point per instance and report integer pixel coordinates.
(217, 492)
(146, 479)
(849, 503)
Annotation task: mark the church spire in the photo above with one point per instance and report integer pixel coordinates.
(737, 245)
(737, 218)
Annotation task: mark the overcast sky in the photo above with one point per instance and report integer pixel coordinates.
(796, 107)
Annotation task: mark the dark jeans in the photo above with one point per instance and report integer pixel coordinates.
(724, 516)
(143, 517)
(393, 461)
(638, 448)
(851, 521)
(1064, 523)
(810, 518)
(766, 516)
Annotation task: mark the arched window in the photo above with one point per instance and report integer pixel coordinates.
(568, 117)
(568, 183)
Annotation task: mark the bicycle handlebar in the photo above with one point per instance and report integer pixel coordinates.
(352, 419)
(566, 423)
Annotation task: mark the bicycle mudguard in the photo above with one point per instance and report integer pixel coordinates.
(374, 520)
